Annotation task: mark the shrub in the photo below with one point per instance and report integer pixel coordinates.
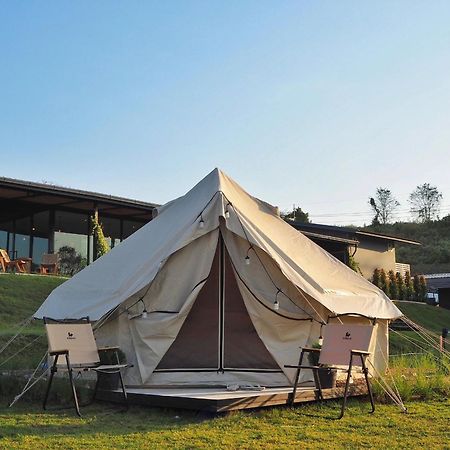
(409, 286)
(393, 287)
(401, 287)
(101, 245)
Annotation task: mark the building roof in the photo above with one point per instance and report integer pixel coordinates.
(348, 233)
(438, 280)
(35, 195)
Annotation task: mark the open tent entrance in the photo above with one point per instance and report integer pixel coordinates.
(218, 334)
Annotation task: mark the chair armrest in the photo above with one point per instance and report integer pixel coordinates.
(108, 349)
(360, 352)
(289, 366)
(311, 350)
(58, 352)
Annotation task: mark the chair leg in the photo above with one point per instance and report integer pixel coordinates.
(291, 399)
(366, 376)
(318, 385)
(124, 392)
(347, 384)
(72, 385)
(50, 380)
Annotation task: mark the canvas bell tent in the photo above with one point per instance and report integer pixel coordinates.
(218, 289)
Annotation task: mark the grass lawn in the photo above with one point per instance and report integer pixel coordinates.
(309, 426)
(430, 317)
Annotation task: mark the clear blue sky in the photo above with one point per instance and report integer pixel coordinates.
(315, 103)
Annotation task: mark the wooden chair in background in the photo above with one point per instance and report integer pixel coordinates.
(6, 263)
(49, 264)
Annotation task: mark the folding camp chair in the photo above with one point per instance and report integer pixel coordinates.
(74, 339)
(342, 346)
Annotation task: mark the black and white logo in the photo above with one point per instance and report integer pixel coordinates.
(70, 335)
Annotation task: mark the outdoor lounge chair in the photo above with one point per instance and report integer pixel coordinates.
(49, 264)
(74, 339)
(7, 263)
(343, 345)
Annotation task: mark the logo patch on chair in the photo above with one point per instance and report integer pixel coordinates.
(70, 335)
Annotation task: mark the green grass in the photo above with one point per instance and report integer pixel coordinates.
(430, 317)
(308, 426)
(21, 296)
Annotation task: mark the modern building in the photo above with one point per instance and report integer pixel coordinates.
(38, 218)
(369, 250)
(438, 284)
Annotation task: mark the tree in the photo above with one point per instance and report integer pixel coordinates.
(409, 287)
(425, 202)
(400, 286)
(297, 215)
(384, 284)
(376, 278)
(423, 289)
(383, 205)
(70, 262)
(416, 283)
(393, 287)
(101, 245)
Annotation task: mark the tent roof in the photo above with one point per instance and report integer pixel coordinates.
(132, 265)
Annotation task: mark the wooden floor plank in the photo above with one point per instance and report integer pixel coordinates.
(223, 400)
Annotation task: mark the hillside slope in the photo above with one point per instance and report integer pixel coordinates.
(433, 256)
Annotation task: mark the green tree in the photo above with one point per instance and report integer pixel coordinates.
(409, 287)
(393, 287)
(383, 205)
(423, 289)
(425, 202)
(401, 287)
(101, 245)
(297, 215)
(416, 284)
(384, 283)
(376, 277)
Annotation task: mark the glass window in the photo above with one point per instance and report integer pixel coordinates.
(129, 227)
(40, 246)
(22, 241)
(41, 224)
(111, 227)
(3, 239)
(76, 241)
(69, 222)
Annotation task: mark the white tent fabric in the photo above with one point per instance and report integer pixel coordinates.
(132, 265)
(165, 265)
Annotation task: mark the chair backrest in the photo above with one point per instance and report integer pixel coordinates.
(77, 338)
(340, 339)
(49, 258)
(4, 255)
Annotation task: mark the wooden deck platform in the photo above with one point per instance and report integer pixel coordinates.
(218, 400)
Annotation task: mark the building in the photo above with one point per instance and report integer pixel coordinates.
(369, 250)
(439, 283)
(37, 218)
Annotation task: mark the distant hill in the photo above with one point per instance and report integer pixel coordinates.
(434, 254)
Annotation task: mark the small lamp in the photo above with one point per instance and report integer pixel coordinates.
(276, 303)
(144, 313)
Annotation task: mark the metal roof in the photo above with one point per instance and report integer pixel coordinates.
(23, 195)
(347, 232)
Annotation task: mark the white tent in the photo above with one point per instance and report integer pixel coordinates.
(218, 289)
